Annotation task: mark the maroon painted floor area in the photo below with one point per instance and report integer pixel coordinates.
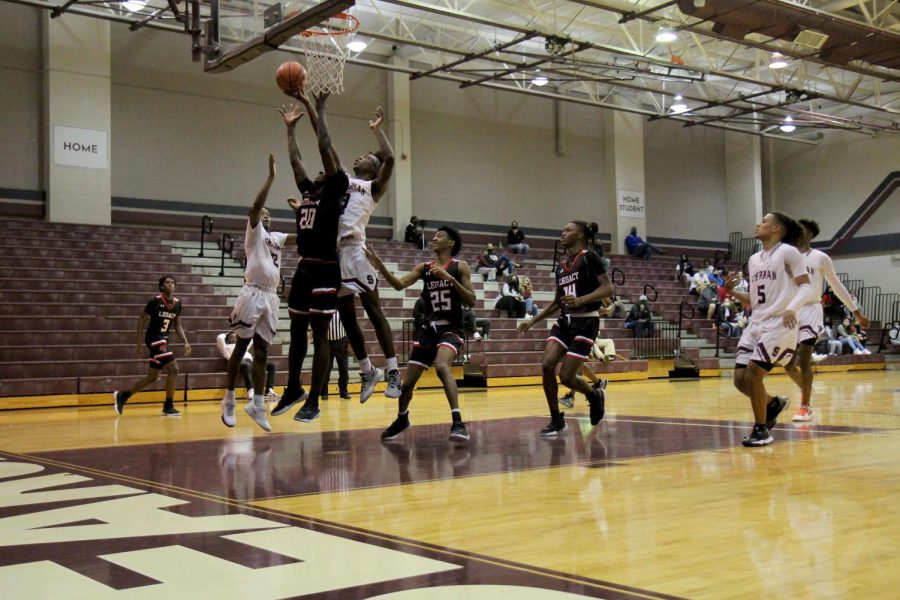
(287, 464)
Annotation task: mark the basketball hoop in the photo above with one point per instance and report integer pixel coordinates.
(325, 47)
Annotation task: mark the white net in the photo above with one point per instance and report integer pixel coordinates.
(326, 53)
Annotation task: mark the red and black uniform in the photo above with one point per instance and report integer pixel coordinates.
(576, 329)
(443, 316)
(318, 276)
(162, 320)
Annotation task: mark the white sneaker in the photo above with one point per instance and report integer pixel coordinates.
(271, 395)
(259, 415)
(867, 351)
(249, 394)
(369, 381)
(393, 387)
(476, 336)
(818, 357)
(228, 413)
(858, 352)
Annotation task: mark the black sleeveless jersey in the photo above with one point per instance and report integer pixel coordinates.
(162, 318)
(318, 216)
(577, 276)
(442, 302)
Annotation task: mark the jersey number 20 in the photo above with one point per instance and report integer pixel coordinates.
(307, 217)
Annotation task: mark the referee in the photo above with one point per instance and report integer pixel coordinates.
(337, 340)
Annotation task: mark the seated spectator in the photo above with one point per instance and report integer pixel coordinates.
(472, 324)
(421, 240)
(598, 248)
(225, 343)
(835, 347)
(743, 285)
(639, 318)
(708, 300)
(638, 247)
(846, 332)
(698, 282)
(510, 299)
(604, 349)
(716, 276)
(515, 241)
(726, 319)
(484, 267)
(684, 269)
(531, 308)
(832, 305)
(500, 262)
(894, 335)
(411, 235)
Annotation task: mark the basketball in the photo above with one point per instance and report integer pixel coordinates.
(290, 76)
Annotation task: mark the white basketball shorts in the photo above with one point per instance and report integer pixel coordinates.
(255, 312)
(810, 320)
(768, 342)
(357, 273)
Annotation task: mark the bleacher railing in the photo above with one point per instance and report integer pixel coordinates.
(665, 342)
(741, 248)
(206, 228)
(650, 288)
(227, 247)
(617, 276)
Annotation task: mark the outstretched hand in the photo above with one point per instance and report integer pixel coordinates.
(374, 258)
(731, 281)
(377, 118)
(321, 99)
(294, 203)
(291, 114)
(271, 165)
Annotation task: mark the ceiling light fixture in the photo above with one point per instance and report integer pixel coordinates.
(356, 46)
(666, 34)
(778, 61)
(540, 80)
(787, 125)
(679, 105)
(134, 5)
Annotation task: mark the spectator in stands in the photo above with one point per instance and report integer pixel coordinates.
(726, 319)
(742, 285)
(412, 232)
(699, 281)
(713, 275)
(160, 316)
(832, 305)
(225, 343)
(421, 241)
(419, 313)
(510, 299)
(531, 308)
(473, 324)
(500, 262)
(684, 269)
(515, 241)
(484, 267)
(708, 300)
(639, 319)
(835, 347)
(337, 342)
(598, 248)
(846, 332)
(638, 247)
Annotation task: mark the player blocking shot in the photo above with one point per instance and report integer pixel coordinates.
(446, 286)
(581, 285)
(810, 318)
(313, 296)
(779, 289)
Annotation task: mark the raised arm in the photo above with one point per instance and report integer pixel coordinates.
(330, 160)
(292, 115)
(842, 293)
(385, 151)
(260, 201)
(398, 283)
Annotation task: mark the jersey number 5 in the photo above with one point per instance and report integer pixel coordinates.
(440, 300)
(761, 294)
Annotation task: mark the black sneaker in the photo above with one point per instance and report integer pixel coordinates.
(568, 400)
(169, 410)
(345, 395)
(307, 413)
(400, 424)
(600, 385)
(458, 432)
(288, 399)
(323, 396)
(760, 436)
(774, 408)
(597, 401)
(555, 426)
(119, 400)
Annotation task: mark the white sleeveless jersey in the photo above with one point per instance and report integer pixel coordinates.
(772, 284)
(263, 251)
(821, 269)
(360, 206)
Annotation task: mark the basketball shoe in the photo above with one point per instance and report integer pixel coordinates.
(805, 413)
(760, 436)
(400, 424)
(555, 426)
(774, 408)
(369, 381)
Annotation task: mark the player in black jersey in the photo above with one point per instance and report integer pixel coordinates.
(313, 295)
(447, 286)
(161, 315)
(581, 285)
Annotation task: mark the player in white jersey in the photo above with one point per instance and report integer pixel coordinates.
(255, 314)
(810, 317)
(779, 287)
(358, 277)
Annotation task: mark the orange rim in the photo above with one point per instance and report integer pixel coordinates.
(354, 26)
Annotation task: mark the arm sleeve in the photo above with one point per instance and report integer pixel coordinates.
(793, 260)
(836, 285)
